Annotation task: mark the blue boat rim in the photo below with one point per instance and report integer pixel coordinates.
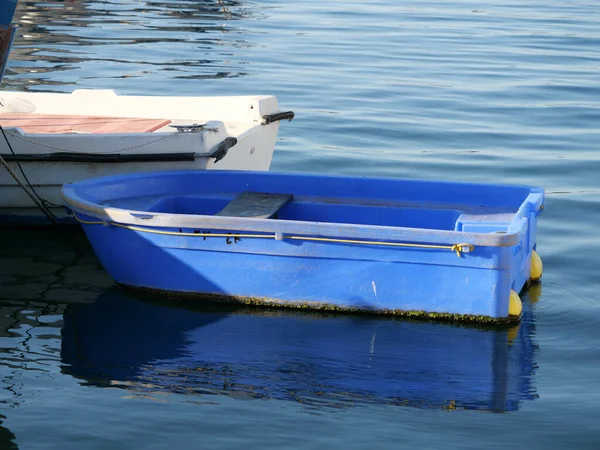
(73, 196)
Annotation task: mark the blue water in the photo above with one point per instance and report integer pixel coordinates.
(459, 90)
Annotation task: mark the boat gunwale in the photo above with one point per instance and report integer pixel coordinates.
(150, 219)
(185, 108)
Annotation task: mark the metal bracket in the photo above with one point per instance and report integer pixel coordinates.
(193, 128)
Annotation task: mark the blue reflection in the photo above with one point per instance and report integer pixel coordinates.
(320, 360)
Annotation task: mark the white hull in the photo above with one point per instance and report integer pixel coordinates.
(52, 159)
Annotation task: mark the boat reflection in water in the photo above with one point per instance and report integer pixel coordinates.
(7, 438)
(323, 361)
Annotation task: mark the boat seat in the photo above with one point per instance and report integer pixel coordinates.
(258, 205)
(61, 123)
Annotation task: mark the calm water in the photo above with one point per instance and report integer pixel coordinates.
(506, 91)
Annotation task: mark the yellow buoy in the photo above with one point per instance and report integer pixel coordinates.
(515, 307)
(536, 266)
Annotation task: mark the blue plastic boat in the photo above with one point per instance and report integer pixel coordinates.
(321, 360)
(7, 31)
(440, 249)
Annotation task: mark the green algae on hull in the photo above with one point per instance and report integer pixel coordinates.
(328, 307)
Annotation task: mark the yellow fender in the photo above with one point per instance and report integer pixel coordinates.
(536, 266)
(515, 307)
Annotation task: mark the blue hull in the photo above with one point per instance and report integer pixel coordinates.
(380, 245)
(7, 11)
(7, 31)
(319, 360)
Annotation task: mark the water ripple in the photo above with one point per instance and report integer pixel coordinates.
(503, 92)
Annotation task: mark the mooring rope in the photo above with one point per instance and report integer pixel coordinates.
(27, 188)
(106, 152)
(458, 248)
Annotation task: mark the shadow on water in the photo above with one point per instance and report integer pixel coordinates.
(321, 360)
(184, 39)
(7, 438)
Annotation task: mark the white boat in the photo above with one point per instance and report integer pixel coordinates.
(58, 138)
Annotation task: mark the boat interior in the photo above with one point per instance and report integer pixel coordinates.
(250, 204)
(315, 198)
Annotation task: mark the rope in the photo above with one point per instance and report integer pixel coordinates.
(39, 202)
(33, 197)
(52, 147)
(458, 248)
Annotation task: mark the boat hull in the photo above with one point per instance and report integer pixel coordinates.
(7, 11)
(315, 275)
(252, 152)
(350, 267)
